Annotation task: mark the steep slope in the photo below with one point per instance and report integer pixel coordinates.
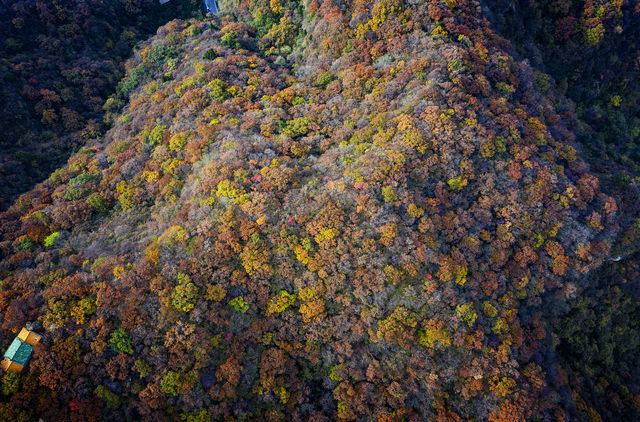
(360, 210)
(59, 63)
(591, 48)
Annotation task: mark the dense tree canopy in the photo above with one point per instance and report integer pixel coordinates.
(324, 210)
(60, 61)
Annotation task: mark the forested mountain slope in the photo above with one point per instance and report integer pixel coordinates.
(59, 61)
(314, 211)
(592, 49)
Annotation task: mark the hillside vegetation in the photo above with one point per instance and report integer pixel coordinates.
(59, 61)
(304, 210)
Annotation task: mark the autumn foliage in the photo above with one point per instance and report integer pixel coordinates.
(341, 211)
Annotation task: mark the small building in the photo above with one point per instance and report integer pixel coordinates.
(211, 6)
(20, 350)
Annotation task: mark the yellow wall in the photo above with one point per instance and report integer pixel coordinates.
(29, 337)
(7, 365)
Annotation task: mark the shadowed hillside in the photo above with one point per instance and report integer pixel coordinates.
(59, 63)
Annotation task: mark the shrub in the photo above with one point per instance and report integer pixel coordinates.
(234, 91)
(96, 201)
(110, 399)
(297, 127)
(142, 367)
(72, 194)
(324, 79)
(467, 313)
(131, 81)
(173, 382)
(155, 136)
(185, 293)
(125, 195)
(81, 179)
(348, 48)
(84, 307)
(57, 176)
(456, 65)
(218, 89)
(153, 62)
(239, 304)
(120, 341)
(210, 54)
(52, 239)
(230, 40)
(10, 383)
(414, 211)
(215, 292)
(434, 332)
(196, 416)
(25, 244)
(280, 303)
(461, 275)
(178, 141)
(388, 194)
(282, 34)
(126, 118)
(187, 83)
(489, 309)
(112, 105)
(457, 183)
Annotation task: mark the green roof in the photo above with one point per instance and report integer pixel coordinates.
(19, 352)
